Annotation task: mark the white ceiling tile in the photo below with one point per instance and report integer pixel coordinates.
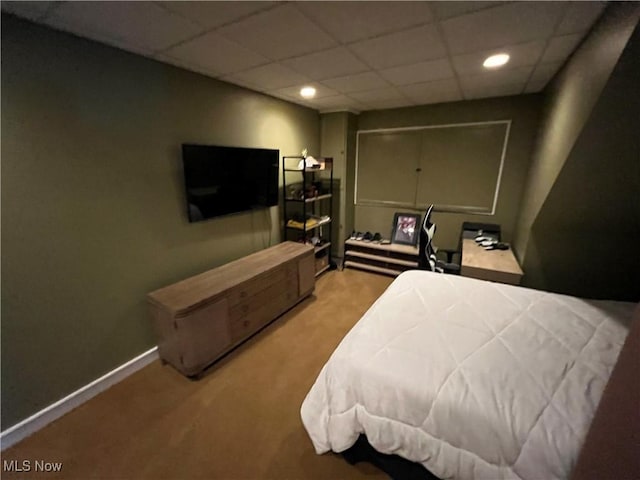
(269, 77)
(215, 14)
(417, 44)
(433, 92)
(335, 102)
(357, 82)
(128, 47)
(379, 54)
(472, 92)
(445, 9)
(511, 23)
(180, 63)
(419, 72)
(559, 48)
(241, 82)
(387, 93)
(216, 53)
(387, 104)
(520, 55)
(294, 91)
(327, 64)
(30, 10)
(351, 21)
(541, 76)
(279, 33)
(513, 76)
(580, 16)
(138, 23)
(347, 104)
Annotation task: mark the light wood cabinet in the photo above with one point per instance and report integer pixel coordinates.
(200, 318)
(389, 259)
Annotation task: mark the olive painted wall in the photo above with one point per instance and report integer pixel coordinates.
(93, 208)
(337, 136)
(584, 241)
(523, 110)
(578, 228)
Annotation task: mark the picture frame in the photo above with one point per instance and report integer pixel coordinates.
(406, 228)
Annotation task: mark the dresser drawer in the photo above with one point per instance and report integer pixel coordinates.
(288, 287)
(244, 325)
(252, 287)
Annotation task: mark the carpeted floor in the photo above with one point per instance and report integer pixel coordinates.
(240, 421)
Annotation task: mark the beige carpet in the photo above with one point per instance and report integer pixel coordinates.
(240, 421)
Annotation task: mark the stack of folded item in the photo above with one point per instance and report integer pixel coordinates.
(311, 222)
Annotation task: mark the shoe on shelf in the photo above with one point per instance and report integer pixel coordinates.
(353, 235)
(359, 235)
(377, 238)
(367, 237)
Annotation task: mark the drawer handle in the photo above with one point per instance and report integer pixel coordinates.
(245, 323)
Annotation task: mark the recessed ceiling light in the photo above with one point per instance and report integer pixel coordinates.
(495, 61)
(308, 92)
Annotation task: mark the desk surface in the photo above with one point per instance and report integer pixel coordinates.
(494, 265)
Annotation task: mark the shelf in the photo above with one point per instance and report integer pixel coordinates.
(373, 268)
(313, 198)
(310, 200)
(387, 247)
(322, 247)
(323, 269)
(320, 169)
(311, 227)
(378, 258)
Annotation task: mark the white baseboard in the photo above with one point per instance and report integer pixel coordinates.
(35, 422)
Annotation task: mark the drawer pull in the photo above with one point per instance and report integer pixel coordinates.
(245, 323)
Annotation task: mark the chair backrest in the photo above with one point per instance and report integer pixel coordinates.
(426, 254)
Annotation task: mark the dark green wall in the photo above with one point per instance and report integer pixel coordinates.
(523, 111)
(93, 213)
(587, 233)
(577, 228)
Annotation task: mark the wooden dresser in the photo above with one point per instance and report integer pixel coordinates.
(200, 318)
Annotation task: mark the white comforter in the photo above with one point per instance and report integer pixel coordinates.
(472, 379)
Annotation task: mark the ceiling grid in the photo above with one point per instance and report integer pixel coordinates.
(358, 55)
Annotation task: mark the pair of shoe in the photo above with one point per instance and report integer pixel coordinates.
(366, 237)
(496, 246)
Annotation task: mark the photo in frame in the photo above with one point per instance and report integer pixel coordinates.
(406, 228)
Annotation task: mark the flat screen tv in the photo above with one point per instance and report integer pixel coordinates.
(223, 180)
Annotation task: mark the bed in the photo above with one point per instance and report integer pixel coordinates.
(471, 379)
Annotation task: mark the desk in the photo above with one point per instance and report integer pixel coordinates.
(494, 265)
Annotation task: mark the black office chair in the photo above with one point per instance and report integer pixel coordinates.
(427, 259)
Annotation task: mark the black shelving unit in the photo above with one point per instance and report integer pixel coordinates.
(307, 187)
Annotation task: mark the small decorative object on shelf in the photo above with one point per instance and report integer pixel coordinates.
(307, 204)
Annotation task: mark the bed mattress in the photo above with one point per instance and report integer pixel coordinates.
(470, 378)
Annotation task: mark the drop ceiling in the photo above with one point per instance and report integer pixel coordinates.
(358, 55)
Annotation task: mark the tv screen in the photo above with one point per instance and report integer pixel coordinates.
(223, 180)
